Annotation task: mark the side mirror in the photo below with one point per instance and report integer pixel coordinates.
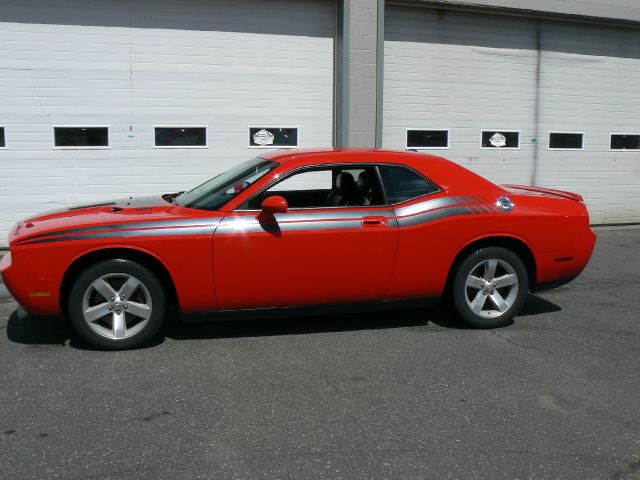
(274, 204)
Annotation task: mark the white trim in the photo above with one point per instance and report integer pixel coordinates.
(4, 128)
(610, 137)
(274, 147)
(421, 129)
(499, 130)
(177, 147)
(101, 147)
(584, 138)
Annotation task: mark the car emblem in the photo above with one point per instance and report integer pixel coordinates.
(505, 204)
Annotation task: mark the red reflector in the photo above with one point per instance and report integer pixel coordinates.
(564, 259)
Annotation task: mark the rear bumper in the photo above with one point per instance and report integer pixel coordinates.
(559, 268)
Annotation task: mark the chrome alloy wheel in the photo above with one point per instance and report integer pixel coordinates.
(491, 288)
(117, 306)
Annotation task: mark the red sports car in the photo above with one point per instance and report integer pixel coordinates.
(300, 229)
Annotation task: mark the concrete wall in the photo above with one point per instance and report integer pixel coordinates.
(362, 72)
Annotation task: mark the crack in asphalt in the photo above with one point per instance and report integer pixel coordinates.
(522, 345)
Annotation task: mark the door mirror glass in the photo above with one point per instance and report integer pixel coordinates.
(274, 204)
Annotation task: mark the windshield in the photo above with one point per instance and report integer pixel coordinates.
(216, 192)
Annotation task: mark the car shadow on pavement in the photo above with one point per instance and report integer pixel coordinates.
(57, 330)
(52, 331)
(441, 315)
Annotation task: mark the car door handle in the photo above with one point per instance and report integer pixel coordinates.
(374, 222)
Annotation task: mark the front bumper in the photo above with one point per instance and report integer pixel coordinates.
(32, 292)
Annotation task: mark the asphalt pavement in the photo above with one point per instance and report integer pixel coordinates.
(399, 395)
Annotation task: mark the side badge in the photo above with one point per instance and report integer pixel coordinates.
(505, 204)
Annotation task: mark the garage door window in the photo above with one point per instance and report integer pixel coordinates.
(500, 139)
(624, 141)
(427, 139)
(2, 140)
(566, 141)
(181, 137)
(273, 137)
(81, 137)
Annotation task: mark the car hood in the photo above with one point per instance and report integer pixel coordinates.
(100, 215)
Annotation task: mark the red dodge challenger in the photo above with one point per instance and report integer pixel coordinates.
(300, 229)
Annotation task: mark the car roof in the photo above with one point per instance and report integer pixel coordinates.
(440, 170)
(355, 155)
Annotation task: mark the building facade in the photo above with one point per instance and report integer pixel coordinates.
(109, 98)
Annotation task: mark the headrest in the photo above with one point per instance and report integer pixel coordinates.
(364, 183)
(345, 182)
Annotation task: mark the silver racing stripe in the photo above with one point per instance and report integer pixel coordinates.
(474, 208)
(433, 215)
(240, 225)
(423, 212)
(154, 232)
(205, 222)
(332, 215)
(426, 206)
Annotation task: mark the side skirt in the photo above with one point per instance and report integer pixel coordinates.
(308, 310)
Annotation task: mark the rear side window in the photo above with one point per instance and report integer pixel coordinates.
(402, 184)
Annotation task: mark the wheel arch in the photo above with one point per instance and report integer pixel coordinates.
(515, 244)
(142, 257)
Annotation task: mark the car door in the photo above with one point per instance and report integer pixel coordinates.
(324, 249)
(429, 224)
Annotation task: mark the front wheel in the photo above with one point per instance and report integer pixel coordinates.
(117, 304)
(489, 287)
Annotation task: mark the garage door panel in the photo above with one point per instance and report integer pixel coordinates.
(448, 70)
(453, 70)
(227, 65)
(589, 78)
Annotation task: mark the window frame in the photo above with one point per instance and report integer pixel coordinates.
(406, 138)
(584, 139)
(500, 130)
(329, 166)
(82, 147)
(4, 129)
(275, 147)
(610, 139)
(174, 147)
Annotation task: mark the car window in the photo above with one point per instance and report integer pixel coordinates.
(216, 192)
(312, 180)
(317, 187)
(402, 184)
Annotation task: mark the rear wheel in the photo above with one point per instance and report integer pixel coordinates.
(117, 304)
(489, 287)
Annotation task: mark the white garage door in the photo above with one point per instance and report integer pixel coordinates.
(451, 72)
(227, 65)
(496, 87)
(590, 84)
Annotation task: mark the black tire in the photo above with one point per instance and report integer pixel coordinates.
(150, 290)
(489, 316)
